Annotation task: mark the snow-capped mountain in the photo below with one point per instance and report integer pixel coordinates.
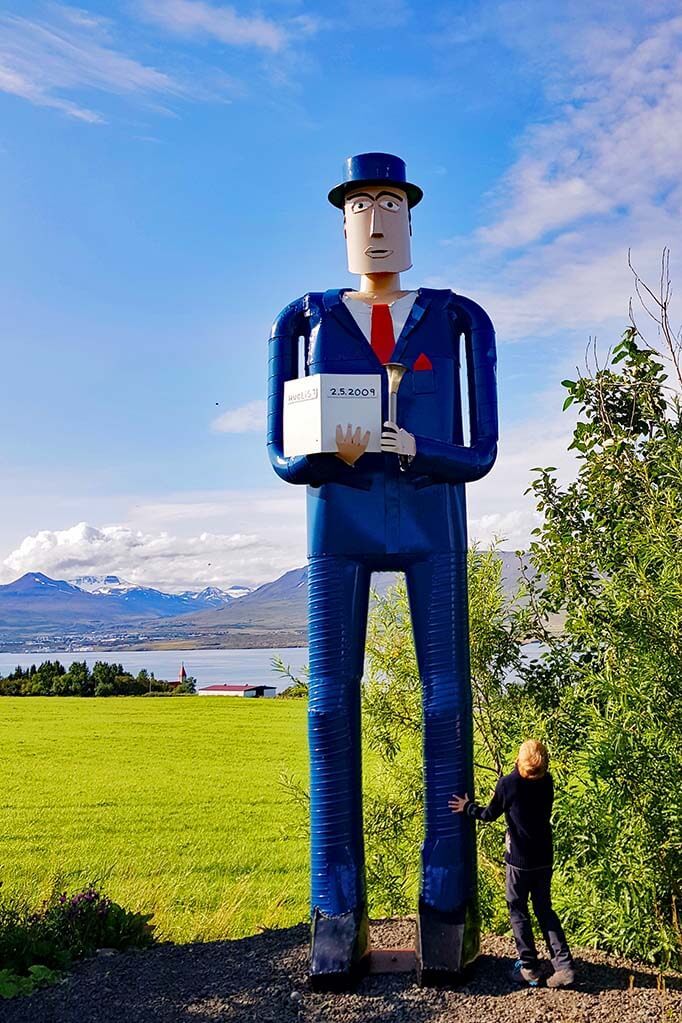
(216, 597)
(35, 601)
(36, 610)
(210, 596)
(137, 599)
(38, 584)
(102, 584)
(146, 598)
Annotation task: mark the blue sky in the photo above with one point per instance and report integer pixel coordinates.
(164, 166)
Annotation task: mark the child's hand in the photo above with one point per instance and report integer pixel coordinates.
(458, 803)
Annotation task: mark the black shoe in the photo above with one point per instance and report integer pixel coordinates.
(338, 950)
(446, 944)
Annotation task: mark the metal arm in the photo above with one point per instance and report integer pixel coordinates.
(282, 366)
(461, 463)
(309, 470)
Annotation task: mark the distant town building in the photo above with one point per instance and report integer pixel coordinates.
(182, 677)
(237, 690)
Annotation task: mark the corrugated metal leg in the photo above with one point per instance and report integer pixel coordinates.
(338, 595)
(448, 929)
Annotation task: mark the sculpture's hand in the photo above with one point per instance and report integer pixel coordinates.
(400, 442)
(351, 444)
(458, 803)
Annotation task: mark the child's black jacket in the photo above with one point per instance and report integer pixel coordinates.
(527, 806)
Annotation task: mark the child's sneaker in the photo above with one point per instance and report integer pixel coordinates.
(561, 978)
(525, 974)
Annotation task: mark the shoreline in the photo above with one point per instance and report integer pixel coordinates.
(259, 641)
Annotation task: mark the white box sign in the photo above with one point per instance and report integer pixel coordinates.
(315, 405)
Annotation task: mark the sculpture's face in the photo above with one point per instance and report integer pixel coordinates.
(377, 228)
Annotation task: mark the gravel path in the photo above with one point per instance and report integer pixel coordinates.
(261, 979)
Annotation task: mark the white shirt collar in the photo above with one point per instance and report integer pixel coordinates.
(362, 313)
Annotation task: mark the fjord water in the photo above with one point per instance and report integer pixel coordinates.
(207, 666)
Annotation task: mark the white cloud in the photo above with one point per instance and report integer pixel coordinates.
(512, 529)
(83, 18)
(186, 541)
(498, 507)
(542, 202)
(40, 61)
(218, 21)
(181, 541)
(579, 282)
(252, 536)
(85, 549)
(614, 146)
(599, 177)
(248, 418)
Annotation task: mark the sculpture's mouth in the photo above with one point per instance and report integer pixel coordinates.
(378, 253)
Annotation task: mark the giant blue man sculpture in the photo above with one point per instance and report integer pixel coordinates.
(402, 508)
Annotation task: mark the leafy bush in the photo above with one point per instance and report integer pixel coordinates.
(186, 688)
(105, 689)
(35, 944)
(610, 551)
(12, 984)
(298, 688)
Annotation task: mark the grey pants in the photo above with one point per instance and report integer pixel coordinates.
(536, 885)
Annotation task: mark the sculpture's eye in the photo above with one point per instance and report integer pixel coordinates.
(392, 205)
(360, 205)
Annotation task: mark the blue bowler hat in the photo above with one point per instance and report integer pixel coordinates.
(374, 169)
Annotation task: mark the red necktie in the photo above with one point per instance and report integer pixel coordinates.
(382, 338)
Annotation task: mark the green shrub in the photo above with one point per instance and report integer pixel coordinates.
(35, 944)
(298, 687)
(12, 984)
(610, 554)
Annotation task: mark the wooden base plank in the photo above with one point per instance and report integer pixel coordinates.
(392, 960)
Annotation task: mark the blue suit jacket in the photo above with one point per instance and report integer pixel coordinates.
(375, 508)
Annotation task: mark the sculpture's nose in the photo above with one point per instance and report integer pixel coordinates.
(375, 227)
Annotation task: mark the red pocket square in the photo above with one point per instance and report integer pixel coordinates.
(423, 362)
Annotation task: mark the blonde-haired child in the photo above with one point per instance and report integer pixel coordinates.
(533, 759)
(525, 798)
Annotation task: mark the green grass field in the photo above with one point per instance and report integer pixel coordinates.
(173, 806)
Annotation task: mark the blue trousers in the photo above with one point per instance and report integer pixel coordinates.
(338, 605)
(536, 885)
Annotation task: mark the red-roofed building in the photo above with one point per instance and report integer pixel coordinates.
(182, 677)
(238, 690)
